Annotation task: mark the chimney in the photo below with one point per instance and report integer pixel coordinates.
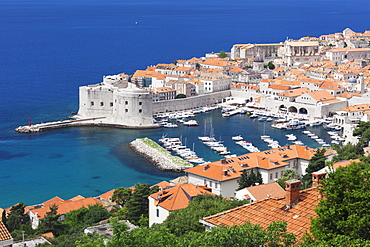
(225, 173)
(316, 178)
(292, 191)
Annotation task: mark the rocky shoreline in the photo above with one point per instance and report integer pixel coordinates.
(158, 156)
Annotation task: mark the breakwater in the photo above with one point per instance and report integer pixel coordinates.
(158, 156)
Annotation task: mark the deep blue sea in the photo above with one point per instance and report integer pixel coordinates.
(50, 48)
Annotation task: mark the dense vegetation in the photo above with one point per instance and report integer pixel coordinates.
(248, 179)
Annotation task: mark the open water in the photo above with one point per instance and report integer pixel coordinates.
(50, 48)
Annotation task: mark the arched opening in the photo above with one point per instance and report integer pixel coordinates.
(303, 111)
(292, 109)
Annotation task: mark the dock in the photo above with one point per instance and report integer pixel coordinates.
(34, 128)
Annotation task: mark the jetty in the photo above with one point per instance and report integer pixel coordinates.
(96, 121)
(158, 156)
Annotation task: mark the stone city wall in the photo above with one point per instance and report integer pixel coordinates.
(189, 103)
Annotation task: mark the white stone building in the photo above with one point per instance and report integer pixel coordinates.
(223, 176)
(215, 82)
(109, 104)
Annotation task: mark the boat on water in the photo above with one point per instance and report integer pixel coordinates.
(170, 125)
(262, 119)
(248, 145)
(191, 123)
(265, 137)
(269, 119)
(207, 139)
(237, 138)
(291, 137)
(298, 142)
(253, 115)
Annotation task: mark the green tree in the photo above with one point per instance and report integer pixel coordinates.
(249, 179)
(337, 241)
(363, 131)
(247, 235)
(137, 204)
(222, 54)
(121, 195)
(51, 222)
(345, 210)
(317, 162)
(16, 217)
(84, 217)
(287, 175)
(180, 96)
(184, 220)
(197, 66)
(348, 151)
(270, 65)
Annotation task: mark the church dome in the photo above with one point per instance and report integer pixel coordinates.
(352, 80)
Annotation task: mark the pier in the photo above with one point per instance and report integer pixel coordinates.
(158, 156)
(33, 128)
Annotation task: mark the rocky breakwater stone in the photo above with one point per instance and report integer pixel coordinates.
(161, 160)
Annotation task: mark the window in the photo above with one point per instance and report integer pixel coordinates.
(126, 110)
(92, 103)
(157, 213)
(210, 183)
(205, 182)
(140, 103)
(216, 185)
(101, 103)
(126, 102)
(281, 173)
(140, 110)
(111, 104)
(276, 174)
(271, 176)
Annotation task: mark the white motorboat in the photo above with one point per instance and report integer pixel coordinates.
(170, 125)
(237, 138)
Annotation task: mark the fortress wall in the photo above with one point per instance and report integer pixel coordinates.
(189, 103)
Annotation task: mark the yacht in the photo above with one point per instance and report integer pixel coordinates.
(237, 138)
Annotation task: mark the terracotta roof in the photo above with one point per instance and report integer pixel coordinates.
(53, 200)
(295, 92)
(355, 108)
(63, 207)
(107, 195)
(48, 235)
(279, 87)
(178, 196)
(264, 191)
(347, 95)
(163, 184)
(215, 62)
(76, 198)
(349, 49)
(227, 169)
(236, 69)
(344, 163)
(269, 210)
(321, 96)
(4, 232)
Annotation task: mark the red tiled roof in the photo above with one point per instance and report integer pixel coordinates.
(63, 207)
(178, 196)
(272, 209)
(263, 191)
(227, 169)
(4, 232)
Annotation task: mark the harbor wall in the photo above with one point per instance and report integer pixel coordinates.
(189, 103)
(157, 158)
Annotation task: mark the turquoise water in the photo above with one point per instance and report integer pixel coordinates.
(50, 48)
